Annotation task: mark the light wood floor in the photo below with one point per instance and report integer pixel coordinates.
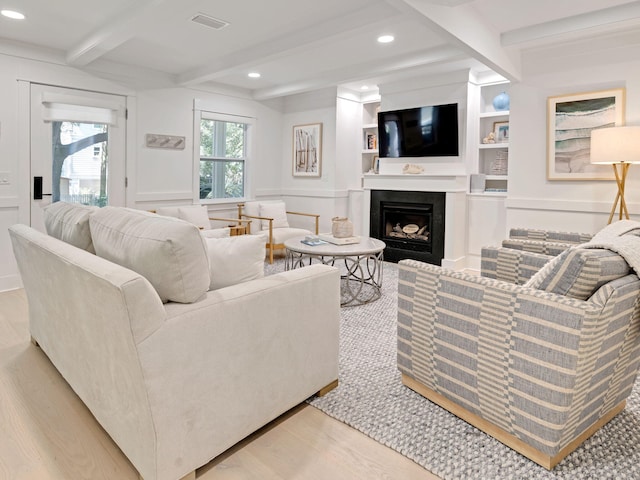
(46, 433)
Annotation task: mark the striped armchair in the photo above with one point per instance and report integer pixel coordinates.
(547, 242)
(539, 366)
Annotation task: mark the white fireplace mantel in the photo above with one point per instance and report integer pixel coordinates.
(455, 187)
(422, 182)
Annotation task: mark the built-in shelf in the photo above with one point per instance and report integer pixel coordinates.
(484, 146)
(369, 156)
(487, 194)
(493, 158)
(499, 113)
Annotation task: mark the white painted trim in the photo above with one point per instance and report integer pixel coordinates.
(9, 202)
(24, 152)
(564, 205)
(10, 282)
(161, 196)
(315, 193)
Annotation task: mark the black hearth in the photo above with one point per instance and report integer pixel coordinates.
(410, 223)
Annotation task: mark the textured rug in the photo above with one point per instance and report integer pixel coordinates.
(372, 399)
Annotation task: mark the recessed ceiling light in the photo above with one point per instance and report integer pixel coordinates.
(385, 38)
(12, 14)
(364, 87)
(254, 75)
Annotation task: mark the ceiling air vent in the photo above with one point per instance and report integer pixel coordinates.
(208, 21)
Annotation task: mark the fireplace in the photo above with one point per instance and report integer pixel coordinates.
(410, 223)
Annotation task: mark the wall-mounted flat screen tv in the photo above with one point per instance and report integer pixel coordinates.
(430, 131)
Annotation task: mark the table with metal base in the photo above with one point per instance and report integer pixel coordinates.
(360, 265)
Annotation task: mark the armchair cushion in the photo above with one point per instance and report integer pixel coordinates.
(539, 235)
(281, 235)
(168, 211)
(275, 210)
(235, 260)
(578, 272)
(168, 252)
(69, 222)
(196, 214)
(511, 265)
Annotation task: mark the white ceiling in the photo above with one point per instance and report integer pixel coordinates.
(303, 45)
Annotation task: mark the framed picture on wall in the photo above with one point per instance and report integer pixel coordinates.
(307, 150)
(570, 119)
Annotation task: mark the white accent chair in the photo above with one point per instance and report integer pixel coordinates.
(271, 220)
(211, 227)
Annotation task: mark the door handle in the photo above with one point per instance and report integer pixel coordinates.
(37, 189)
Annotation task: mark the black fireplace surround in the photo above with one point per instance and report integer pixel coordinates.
(410, 223)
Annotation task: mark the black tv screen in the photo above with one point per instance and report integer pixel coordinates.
(430, 131)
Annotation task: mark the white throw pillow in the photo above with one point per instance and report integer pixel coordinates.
(235, 260)
(196, 214)
(275, 210)
(223, 232)
(69, 222)
(169, 252)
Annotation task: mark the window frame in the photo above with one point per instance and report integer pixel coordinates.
(250, 122)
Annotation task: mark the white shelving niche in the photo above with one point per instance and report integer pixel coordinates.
(493, 158)
(369, 135)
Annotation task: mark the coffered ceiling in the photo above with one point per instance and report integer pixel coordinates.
(302, 45)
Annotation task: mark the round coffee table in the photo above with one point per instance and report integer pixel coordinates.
(360, 265)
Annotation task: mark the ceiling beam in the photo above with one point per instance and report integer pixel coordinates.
(433, 56)
(462, 26)
(607, 16)
(113, 34)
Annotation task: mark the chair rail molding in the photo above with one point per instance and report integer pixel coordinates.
(561, 205)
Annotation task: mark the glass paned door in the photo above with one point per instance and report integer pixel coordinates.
(80, 163)
(77, 148)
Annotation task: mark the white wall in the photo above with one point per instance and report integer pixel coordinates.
(156, 176)
(167, 176)
(14, 140)
(325, 195)
(534, 201)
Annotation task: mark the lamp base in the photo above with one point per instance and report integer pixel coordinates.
(620, 170)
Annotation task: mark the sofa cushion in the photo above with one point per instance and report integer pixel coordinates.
(579, 272)
(196, 214)
(235, 259)
(69, 222)
(167, 251)
(275, 210)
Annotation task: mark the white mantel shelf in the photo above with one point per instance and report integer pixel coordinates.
(421, 182)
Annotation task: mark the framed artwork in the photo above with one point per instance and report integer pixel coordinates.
(570, 119)
(375, 164)
(501, 132)
(307, 150)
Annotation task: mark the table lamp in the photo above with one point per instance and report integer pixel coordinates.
(619, 147)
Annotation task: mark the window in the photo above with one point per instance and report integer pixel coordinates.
(223, 156)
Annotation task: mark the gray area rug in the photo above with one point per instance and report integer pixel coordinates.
(372, 399)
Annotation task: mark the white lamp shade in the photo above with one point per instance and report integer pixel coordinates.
(615, 145)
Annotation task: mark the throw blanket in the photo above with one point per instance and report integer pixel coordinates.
(622, 237)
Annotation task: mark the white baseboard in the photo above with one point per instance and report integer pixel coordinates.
(10, 282)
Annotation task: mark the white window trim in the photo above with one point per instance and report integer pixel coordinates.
(199, 115)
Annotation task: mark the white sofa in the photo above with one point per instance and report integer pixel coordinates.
(174, 384)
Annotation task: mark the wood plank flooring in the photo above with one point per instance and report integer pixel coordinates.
(46, 432)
